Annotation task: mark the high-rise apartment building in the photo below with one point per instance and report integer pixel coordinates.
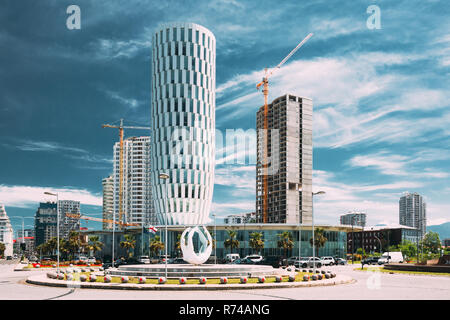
(6, 232)
(354, 218)
(137, 194)
(45, 223)
(412, 211)
(183, 122)
(289, 157)
(108, 202)
(66, 222)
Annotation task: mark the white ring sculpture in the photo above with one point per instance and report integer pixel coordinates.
(189, 254)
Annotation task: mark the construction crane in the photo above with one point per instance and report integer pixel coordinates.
(265, 84)
(83, 217)
(121, 127)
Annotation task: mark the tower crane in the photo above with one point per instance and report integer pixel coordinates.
(121, 127)
(265, 84)
(83, 217)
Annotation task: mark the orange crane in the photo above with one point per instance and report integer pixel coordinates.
(265, 84)
(121, 127)
(79, 216)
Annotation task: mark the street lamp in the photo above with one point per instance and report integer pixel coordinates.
(312, 217)
(165, 176)
(57, 226)
(215, 239)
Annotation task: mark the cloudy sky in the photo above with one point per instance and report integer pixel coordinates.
(381, 96)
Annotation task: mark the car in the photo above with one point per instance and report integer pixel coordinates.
(231, 257)
(83, 259)
(371, 260)
(33, 259)
(291, 260)
(243, 261)
(162, 259)
(144, 259)
(91, 260)
(177, 261)
(9, 258)
(340, 261)
(328, 261)
(308, 262)
(254, 257)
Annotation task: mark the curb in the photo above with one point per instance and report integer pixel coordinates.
(43, 280)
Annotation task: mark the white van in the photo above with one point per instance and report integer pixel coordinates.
(231, 257)
(391, 257)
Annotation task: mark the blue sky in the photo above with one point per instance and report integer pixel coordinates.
(381, 97)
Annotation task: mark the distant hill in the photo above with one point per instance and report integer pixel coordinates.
(442, 229)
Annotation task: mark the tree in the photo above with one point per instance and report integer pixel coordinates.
(256, 242)
(128, 243)
(431, 242)
(408, 249)
(73, 243)
(231, 242)
(319, 239)
(178, 244)
(2, 249)
(285, 242)
(156, 245)
(95, 244)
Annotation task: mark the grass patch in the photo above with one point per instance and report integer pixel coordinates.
(381, 269)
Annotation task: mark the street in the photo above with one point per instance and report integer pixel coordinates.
(368, 286)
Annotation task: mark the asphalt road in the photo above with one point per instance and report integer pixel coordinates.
(368, 286)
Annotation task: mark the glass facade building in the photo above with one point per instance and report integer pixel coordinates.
(183, 122)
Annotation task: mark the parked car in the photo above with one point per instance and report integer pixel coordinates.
(83, 259)
(243, 261)
(371, 260)
(33, 259)
(162, 259)
(231, 257)
(254, 257)
(177, 261)
(91, 260)
(291, 260)
(144, 260)
(273, 261)
(389, 257)
(308, 262)
(340, 261)
(328, 261)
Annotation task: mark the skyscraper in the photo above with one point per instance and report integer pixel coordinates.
(6, 232)
(183, 122)
(67, 223)
(137, 192)
(289, 156)
(45, 223)
(108, 201)
(412, 211)
(355, 218)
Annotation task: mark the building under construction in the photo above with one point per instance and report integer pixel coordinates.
(289, 156)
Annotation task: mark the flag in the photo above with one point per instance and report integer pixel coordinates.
(152, 229)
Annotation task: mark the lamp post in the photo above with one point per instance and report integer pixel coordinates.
(57, 226)
(312, 217)
(215, 239)
(165, 176)
(299, 237)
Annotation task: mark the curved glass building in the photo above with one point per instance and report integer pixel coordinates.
(183, 122)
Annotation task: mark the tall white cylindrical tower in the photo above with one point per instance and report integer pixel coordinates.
(183, 122)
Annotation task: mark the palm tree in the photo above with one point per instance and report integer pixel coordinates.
(73, 243)
(156, 245)
(128, 243)
(231, 242)
(319, 239)
(94, 244)
(256, 242)
(285, 242)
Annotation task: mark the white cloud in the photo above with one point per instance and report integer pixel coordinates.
(30, 196)
(128, 102)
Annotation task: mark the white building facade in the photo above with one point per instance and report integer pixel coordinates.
(137, 194)
(108, 201)
(412, 211)
(183, 122)
(6, 232)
